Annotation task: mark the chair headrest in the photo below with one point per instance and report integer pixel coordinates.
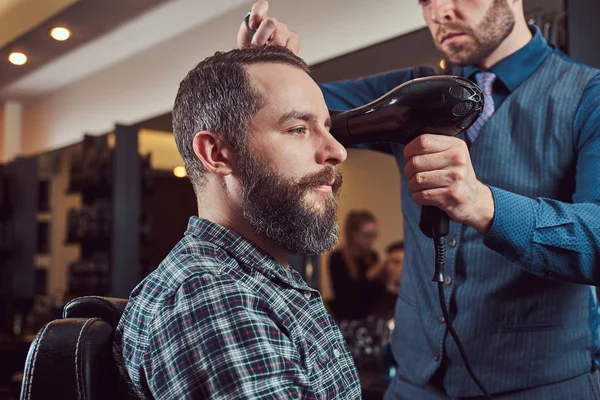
(109, 309)
(71, 359)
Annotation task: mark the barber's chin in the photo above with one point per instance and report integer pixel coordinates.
(460, 55)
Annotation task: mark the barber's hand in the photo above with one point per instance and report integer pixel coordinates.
(440, 174)
(270, 31)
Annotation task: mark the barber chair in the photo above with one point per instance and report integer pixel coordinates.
(71, 358)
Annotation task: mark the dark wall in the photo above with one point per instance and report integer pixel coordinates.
(169, 205)
(584, 31)
(544, 5)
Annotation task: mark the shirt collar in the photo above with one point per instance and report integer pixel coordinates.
(516, 68)
(243, 250)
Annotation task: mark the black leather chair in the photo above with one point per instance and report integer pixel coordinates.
(71, 358)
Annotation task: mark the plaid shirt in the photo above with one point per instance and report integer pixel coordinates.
(221, 319)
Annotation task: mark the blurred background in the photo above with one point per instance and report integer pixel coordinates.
(93, 192)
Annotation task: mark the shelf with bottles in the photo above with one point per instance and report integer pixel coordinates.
(90, 169)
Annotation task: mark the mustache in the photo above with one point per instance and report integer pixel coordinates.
(323, 177)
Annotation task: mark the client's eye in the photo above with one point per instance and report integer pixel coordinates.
(300, 130)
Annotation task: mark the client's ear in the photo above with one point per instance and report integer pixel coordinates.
(215, 153)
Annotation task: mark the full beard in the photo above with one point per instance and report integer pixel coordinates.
(275, 207)
(496, 26)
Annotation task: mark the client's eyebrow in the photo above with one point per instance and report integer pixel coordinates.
(302, 116)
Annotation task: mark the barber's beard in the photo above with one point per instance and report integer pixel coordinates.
(496, 26)
(276, 207)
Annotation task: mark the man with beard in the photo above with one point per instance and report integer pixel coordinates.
(223, 317)
(522, 189)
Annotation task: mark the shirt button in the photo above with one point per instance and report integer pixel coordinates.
(442, 319)
(448, 280)
(436, 357)
(452, 242)
(336, 353)
(307, 295)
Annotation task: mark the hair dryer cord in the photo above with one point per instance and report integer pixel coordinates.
(440, 255)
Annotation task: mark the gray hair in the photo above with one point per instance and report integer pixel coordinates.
(218, 96)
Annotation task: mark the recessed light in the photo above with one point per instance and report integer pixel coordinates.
(59, 33)
(17, 58)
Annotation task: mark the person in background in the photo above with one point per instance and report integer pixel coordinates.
(385, 307)
(522, 190)
(393, 265)
(357, 277)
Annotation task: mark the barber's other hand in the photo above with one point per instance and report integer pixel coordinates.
(440, 173)
(269, 30)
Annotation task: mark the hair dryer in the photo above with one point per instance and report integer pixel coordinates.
(444, 105)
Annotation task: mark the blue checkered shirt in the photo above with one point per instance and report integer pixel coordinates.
(221, 319)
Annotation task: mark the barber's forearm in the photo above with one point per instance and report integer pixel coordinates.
(348, 94)
(546, 237)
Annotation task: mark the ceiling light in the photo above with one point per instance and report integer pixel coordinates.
(179, 171)
(17, 58)
(59, 33)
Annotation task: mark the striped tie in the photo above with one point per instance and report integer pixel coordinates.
(485, 80)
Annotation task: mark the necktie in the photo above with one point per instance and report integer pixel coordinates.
(485, 80)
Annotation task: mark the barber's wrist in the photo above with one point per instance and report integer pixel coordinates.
(484, 211)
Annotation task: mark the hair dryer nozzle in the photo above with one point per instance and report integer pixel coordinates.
(444, 105)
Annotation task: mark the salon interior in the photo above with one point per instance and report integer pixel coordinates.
(93, 191)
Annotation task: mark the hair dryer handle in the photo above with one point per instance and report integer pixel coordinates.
(434, 222)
